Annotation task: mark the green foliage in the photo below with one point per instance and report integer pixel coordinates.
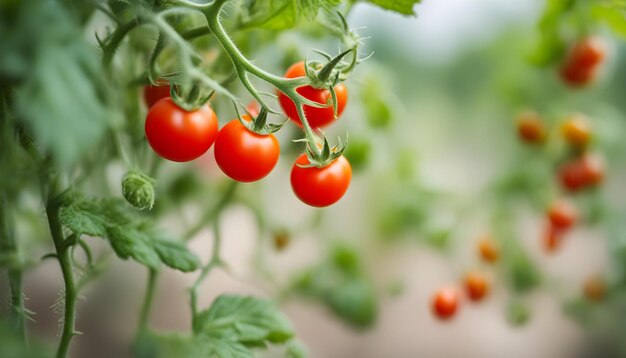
(283, 14)
(401, 6)
(523, 273)
(243, 319)
(130, 234)
(340, 282)
(231, 328)
(60, 89)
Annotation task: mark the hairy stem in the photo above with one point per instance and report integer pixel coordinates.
(147, 303)
(65, 261)
(8, 245)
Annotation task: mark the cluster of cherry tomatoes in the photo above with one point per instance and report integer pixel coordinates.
(242, 153)
(582, 169)
(582, 63)
(476, 284)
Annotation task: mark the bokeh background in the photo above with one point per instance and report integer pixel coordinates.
(454, 80)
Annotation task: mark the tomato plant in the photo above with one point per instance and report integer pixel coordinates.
(104, 103)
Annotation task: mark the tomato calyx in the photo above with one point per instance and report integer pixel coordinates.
(258, 124)
(322, 154)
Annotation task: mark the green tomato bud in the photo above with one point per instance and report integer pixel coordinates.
(138, 189)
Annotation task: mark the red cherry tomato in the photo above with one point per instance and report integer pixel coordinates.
(562, 214)
(180, 135)
(580, 65)
(243, 155)
(152, 94)
(320, 187)
(317, 117)
(587, 53)
(476, 286)
(445, 303)
(530, 128)
(582, 172)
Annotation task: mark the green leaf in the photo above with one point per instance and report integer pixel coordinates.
(193, 347)
(84, 217)
(296, 349)
(128, 242)
(283, 14)
(613, 16)
(176, 255)
(244, 319)
(61, 97)
(400, 6)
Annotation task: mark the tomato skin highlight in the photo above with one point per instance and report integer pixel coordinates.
(445, 303)
(178, 135)
(243, 155)
(317, 117)
(152, 94)
(562, 214)
(476, 286)
(321, 187)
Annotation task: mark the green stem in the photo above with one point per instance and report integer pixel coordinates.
(116, 38)
(8, 245)
(147, 303)
(212, 213)
(65, 261)
(243, 66)
(215, 261)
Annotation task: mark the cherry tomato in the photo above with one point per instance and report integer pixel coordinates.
(587, 53)
(488, 250)
(320, 187)
(243, 155)
(530, 128)
(562, 214)
(179, 135)
(594, 289)
(582, 172)
(552, 239)
(580, 66)
(445, 303)
(576, 131)
(152, 94)
(476, 286)
(317, 117)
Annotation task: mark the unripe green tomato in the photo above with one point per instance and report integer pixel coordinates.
(138, 189)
